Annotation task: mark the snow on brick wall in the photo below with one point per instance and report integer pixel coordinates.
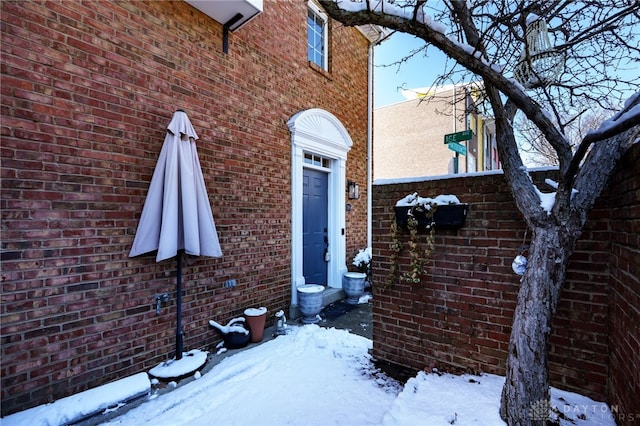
(88, 90)
(459, 317)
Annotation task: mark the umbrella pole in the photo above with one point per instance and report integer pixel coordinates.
(179, 308)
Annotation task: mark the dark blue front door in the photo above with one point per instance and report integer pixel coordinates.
(314, 227)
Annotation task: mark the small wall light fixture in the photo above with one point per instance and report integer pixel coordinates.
(353, 190)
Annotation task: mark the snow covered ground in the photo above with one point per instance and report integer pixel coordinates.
(317, 376)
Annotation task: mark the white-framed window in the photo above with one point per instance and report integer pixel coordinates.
(317, 160)
(317, 23)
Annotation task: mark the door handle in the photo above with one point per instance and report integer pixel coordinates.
(327, 256)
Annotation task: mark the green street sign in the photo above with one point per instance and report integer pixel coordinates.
(460, 149)
(465, 135)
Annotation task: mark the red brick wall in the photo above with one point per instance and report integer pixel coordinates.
(459, 317)
(88, 89)
(624, 291)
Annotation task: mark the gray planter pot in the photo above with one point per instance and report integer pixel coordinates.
(310, 302)
(353, 286)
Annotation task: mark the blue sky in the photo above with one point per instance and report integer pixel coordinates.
(418, 71)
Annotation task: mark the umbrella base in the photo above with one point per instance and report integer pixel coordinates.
(176, 369)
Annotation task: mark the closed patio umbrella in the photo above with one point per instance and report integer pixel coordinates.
(176, 216)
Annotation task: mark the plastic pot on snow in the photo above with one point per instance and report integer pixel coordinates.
(256, 318)
(234, 333)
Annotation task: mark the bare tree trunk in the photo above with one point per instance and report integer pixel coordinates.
(525, 395)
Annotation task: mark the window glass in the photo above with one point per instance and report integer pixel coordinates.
(317, 160)
(316, 37)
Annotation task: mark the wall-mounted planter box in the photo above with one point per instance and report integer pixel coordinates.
(449, 216)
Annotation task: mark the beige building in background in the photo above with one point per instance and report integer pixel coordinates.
(409, 135)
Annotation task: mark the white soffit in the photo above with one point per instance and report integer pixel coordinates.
(224, 11)
(374, 33)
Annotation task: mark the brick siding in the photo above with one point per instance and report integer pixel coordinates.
(416, 150)
(88, 89)
(459, 317)
(624, 291)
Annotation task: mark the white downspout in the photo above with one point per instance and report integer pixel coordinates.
(381, 36)
(369, 145)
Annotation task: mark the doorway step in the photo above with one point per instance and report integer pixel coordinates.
(331, 295)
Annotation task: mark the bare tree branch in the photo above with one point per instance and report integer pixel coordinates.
(623, 121)
(472, 58)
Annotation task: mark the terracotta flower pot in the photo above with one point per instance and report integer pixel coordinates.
(256, 318)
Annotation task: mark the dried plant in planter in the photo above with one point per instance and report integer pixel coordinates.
(418, 256)
(362, 262)
(396, 248)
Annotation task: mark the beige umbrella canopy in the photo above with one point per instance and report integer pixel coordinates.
(176, 215)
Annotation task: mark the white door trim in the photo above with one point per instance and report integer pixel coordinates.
(317, 131)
